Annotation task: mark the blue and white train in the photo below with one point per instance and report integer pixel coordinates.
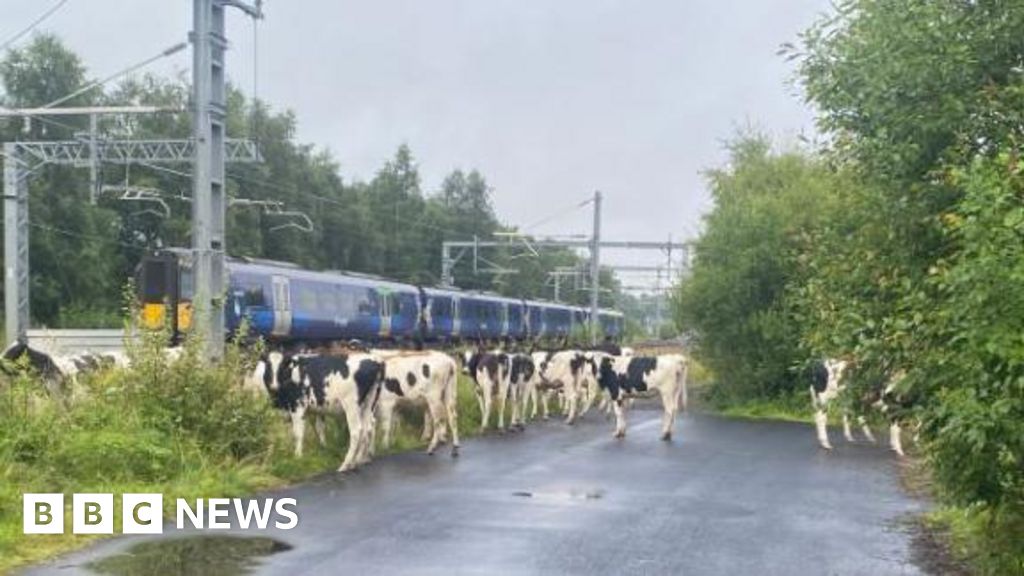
(285, 303)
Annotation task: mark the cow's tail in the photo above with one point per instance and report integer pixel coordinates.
(681, 373)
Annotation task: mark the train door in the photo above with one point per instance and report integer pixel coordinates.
(387, 304)
(427, 304)
(282, 305)
(456, 317)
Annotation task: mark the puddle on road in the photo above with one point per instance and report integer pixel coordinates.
(567, 495)
(191, 556)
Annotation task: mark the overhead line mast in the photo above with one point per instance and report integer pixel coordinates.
(209, 204)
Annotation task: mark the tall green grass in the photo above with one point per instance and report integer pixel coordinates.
(185, 429)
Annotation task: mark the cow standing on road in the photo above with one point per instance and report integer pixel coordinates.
(563, 372)
(627, 377)
(520, 384)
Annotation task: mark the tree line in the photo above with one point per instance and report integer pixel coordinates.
(898, 239)
(82, 255)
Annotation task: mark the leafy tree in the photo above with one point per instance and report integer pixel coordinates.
(735, 299)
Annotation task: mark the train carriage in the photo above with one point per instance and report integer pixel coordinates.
(283, 302)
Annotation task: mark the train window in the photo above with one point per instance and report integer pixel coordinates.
(407, 305)
(441, 307)
(368, 303)
(252, 295)
(154, 281)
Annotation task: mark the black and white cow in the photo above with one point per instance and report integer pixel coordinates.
(563, 372)
(490, 371)
(624, 377)
(59, 373)
(429, 377)
(315, 383)
(827, 385)
(537, 394)
(520, 383)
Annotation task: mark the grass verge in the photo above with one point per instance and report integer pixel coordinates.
(181, 429)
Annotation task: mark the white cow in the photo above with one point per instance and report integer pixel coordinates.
(428, 377)
(624, 377)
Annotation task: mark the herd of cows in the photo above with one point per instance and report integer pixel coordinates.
(367, 385)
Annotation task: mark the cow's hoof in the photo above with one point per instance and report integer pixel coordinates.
(666, 437)
(455, 451)
(826, 446)
(619, 435)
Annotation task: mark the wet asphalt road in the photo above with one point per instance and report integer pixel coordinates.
(726, 497)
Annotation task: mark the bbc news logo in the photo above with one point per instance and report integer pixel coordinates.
(144, 513)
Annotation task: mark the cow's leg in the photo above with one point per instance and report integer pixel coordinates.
(429, 426)
(353, 418)
(368, 421)
(298, 429)
(544, 396)
(386, 409)
(620, 418)
(485, 409)
(319, 425)
(895, 437)
(503, 389)
(821, 423)
(592, 392)
(866, 429)
(670, 406)
(682, 389)
(452, 416)
(435, 412)
(513, 399)
(846, 428)
(524, 411)
(570, 406)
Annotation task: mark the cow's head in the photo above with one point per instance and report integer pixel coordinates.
(606, 372)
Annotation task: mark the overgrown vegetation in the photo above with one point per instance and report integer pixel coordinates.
(899, 242)
(183, 428)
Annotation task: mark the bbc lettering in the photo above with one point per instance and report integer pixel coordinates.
(143, 513)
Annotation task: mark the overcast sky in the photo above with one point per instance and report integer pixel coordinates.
(549, 99)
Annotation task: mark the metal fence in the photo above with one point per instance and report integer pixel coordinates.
(71, 341)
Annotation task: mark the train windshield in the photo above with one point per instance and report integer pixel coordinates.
(154, 281)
